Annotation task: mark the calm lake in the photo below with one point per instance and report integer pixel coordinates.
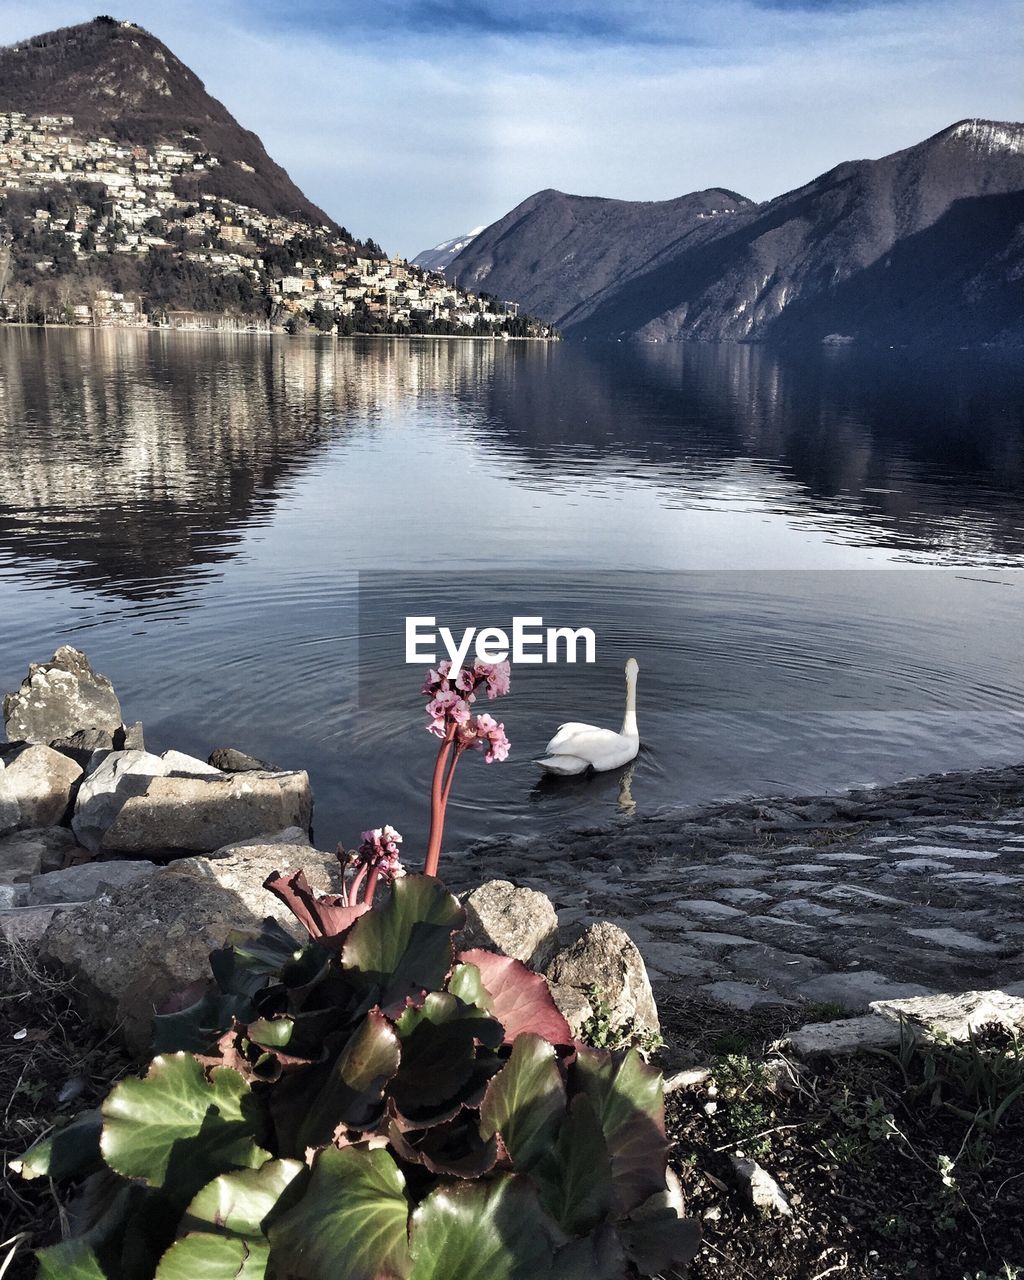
(815, 558)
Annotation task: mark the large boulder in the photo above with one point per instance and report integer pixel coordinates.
(515, 922)
(58, 698)
(604, 965)
(39, 783)
(133, 947)
(232, 761)
(86, 881)
(188, 813)
(35, 852)
(106, 789)
(242, 869)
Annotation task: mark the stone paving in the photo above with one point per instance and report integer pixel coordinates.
(869, 895)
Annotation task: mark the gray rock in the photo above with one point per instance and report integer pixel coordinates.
(41, 782)
(573, 1005)
(956, 1016)
(179, 762)
(83, 745)
(130, 737)
(45, 849)
(229, 760)
(85, 882)
(516, 922)
(129, 950)
(242, 869)
(764, 1192)
(604, 960)
(106, 790)
(844, 1037)
(25, 925)
(858, 989)
(742, 995)
(58, 698)
(288, 835)
(199, 814)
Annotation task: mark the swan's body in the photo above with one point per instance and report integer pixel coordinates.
(575, 748)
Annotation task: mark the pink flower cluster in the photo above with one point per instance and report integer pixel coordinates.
(380, 851)
(451, 696)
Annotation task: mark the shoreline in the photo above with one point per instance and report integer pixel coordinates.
(884, 892)
(267, 333)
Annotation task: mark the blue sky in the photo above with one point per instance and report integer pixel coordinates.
(414, 120)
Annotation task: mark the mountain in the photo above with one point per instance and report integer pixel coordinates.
(555, 252)
(115, 78)
(437, 259)
(926, 244)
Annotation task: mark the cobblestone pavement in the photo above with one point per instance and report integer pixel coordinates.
(872, 894)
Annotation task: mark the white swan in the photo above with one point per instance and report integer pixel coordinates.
(575, 748)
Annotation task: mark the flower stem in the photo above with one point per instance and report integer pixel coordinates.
(438, 799)
(371, 886)
(353, 889)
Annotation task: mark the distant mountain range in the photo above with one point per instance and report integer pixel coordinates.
(926, 244)
(441, 255)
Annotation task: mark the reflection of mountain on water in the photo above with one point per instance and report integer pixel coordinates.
(134, 463)
(926, 456)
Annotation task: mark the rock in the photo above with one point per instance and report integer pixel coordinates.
(764, 1192)
(956, 1016)
(203, 814)
(242, 869)
(742, 995)
(58, 698)
(106, 790)
(288, 835)
(844, 1037)
(41, 782)
(83, 745)
(86, 881)
(229, 760)
(516, 922)
(10, 810)
(25, 924)
(604, 960)
(44, 849)
(573, 1005)
(130, 950)
(858, 989)
(129, 737)
(179, 762)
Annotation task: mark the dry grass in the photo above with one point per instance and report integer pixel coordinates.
(54, 1064)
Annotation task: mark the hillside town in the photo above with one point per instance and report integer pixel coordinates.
(103, 232)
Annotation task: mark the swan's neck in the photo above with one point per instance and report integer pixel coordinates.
(629, 728)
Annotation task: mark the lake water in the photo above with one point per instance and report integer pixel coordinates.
(814, 558)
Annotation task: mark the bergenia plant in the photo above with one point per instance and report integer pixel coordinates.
(451, 696)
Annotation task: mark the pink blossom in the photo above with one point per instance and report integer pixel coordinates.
(496, 675)
(489, 736)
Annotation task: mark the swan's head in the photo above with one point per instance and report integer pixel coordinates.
(632, 667)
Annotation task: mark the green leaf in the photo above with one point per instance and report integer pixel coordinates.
(247, 963)
(237, 1203)
(213, 1257)
(72, 1260)
(525, 1101)
(597, 1256)
(439, 1051)
(404, 946)
(199, 1026)
(482, 1231)
(351, 1223)
(176, 1129)
(353, 1093)
(271, 1033)
(575, 1177)
(71, 1152)
(467, 985)
(627, 1098)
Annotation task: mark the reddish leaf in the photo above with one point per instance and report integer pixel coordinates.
(324, 915)
(522, 999)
